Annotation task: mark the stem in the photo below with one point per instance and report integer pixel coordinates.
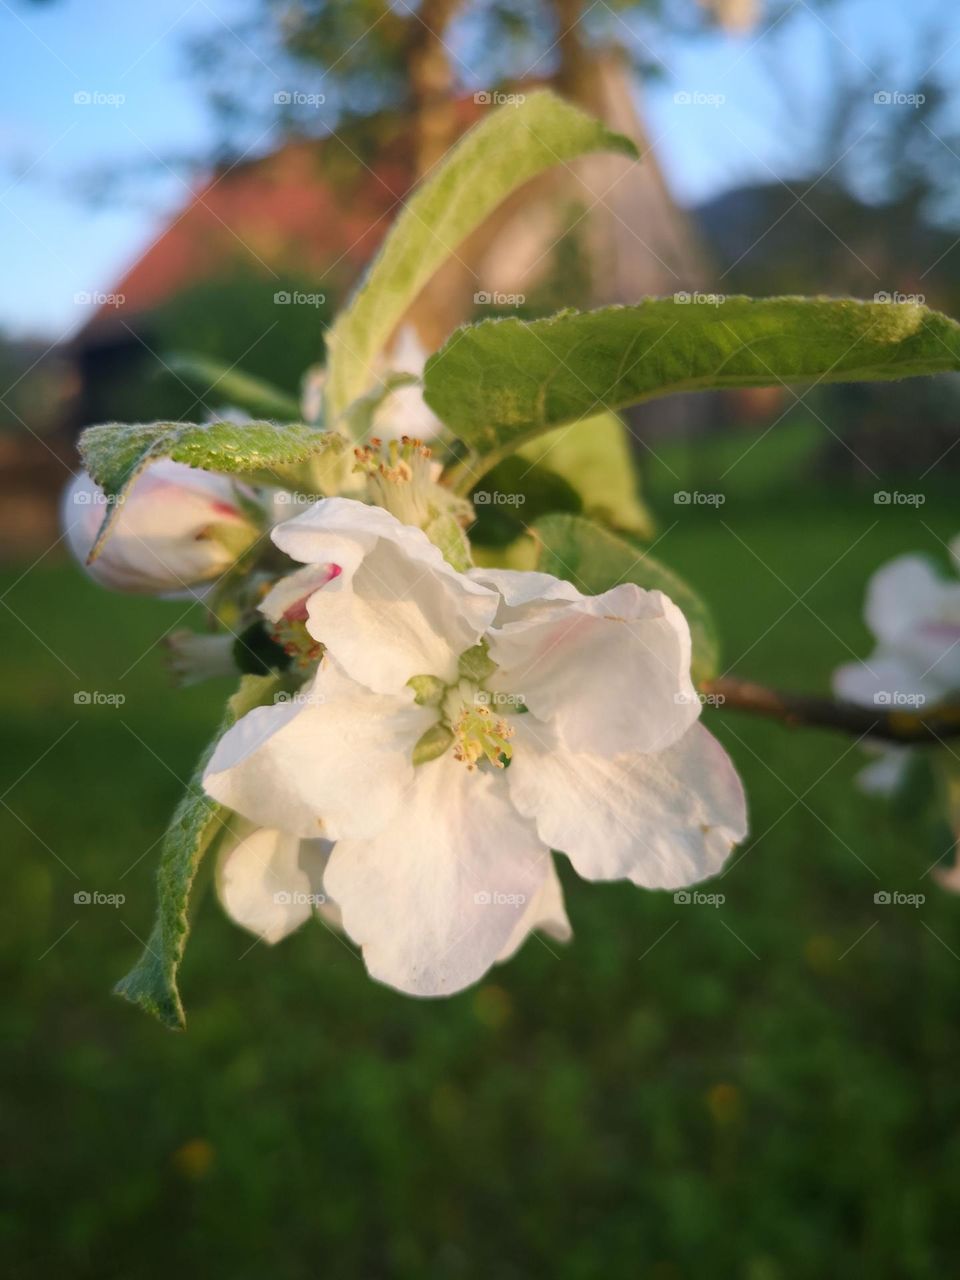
(800, 710)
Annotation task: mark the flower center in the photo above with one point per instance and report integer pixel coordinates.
(469, 717)
(478, 734)
(402, 478)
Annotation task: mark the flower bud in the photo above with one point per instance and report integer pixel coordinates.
(177, 527)
(193, 657)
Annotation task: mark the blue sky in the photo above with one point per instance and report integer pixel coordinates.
(56, 244)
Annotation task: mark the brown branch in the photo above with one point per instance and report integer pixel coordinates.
(799, 710)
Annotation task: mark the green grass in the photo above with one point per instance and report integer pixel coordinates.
(758, 1091)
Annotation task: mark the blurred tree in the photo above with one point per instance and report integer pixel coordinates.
(368, 56)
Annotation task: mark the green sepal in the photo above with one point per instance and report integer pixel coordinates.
(428, 691)
(476, 664)
(196, 825)
(432, 744)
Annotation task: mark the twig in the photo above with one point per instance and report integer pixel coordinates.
(799, 710)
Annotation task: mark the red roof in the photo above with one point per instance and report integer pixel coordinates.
(311, 208)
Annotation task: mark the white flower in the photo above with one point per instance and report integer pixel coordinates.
(178, 527)
(194, 657)
(441, 867)
(913, 612)
(404, 412)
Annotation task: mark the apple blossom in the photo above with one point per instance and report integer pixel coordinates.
(431, 683)
(404, 412)
(193, 656)
(178, 527)
(913, 612)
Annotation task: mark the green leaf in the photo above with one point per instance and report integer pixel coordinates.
(512, 145)
(116, 454)
(499, 383)
(594, 560)
(197, 821)
(594, 456)
(512, 495)
(212, 378)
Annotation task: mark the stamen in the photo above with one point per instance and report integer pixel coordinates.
(480, 735)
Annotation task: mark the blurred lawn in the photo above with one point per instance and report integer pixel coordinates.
(758, 1091)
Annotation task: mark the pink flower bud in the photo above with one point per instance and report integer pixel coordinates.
(178, 527)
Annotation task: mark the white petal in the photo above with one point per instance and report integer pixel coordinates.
(270, 882)
(887, 774)
(334, 761)
(396, 609)
(887, 681)
(525, 594)
(289, 595)
(905, 594)
(662, 820)
(545, 913)
(436, 897)
(612, 672)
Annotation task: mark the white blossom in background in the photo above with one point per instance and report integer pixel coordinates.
(177, 528)
(195, 656)
(404, 412)
(431, 682)
(913, 611)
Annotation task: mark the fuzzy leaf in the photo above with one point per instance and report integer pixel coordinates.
(512, 145)
(499, 383)
(196, 823)
(116, 454)
(594, 560)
